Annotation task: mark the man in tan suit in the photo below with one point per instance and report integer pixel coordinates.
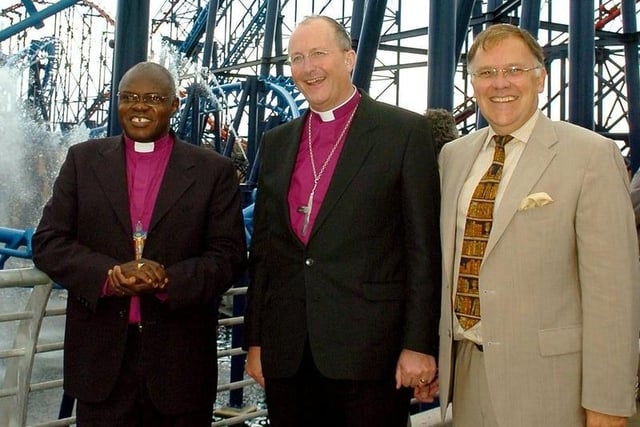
(544, 331)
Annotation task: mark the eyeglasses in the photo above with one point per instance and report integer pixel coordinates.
(148, 98)
(314, 57)
(512, 72)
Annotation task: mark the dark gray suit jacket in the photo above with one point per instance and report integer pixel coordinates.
(367, 283)
(196, 232)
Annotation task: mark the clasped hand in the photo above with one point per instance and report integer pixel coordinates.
(137, 277)
(418, 370)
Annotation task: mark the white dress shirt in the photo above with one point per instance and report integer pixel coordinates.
(513, 151)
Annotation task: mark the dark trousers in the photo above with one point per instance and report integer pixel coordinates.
(129, 405)
(312, 400)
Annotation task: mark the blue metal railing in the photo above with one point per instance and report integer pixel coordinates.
(17, 243)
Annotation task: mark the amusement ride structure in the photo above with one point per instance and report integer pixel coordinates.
(230, 59)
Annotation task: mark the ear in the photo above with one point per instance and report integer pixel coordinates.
(174, 105)
(350, 59)
(540, 79)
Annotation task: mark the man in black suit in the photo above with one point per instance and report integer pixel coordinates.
(343, 302)
(145, 232)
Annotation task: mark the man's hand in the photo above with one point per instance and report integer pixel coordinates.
(598, 419)
(415, 369)
(253, 365)
(428, 392)
(137, 277)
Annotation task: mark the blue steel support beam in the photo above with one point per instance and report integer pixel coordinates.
(530, 18)
(271, 20)
(477, 29)
(477, 11)
(493, 5)
(463, 17)
(368, 43)
(278, 46)
(31, 10)
(132, 23)
(442, 20)
(582, 59)
(212, 10)
(188, 46)
(35, 19)
(357, 16)
(632, 74)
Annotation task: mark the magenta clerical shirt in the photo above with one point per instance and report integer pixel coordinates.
(146, 164)
(326, 128)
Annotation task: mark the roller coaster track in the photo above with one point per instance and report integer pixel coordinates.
(66, 72)
(239, 36)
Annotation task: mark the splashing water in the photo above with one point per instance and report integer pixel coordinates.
(30, 155)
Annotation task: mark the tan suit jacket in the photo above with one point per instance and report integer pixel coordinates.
(558, 284)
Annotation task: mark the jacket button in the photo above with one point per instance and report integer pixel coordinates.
(308, 262)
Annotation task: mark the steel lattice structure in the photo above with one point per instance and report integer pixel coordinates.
(67, 70)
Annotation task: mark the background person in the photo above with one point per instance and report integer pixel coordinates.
(145, 232)
(443, 125)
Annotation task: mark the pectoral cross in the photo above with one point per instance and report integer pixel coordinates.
(306, 210)
(139, 237)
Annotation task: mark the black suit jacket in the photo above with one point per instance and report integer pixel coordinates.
(368, 282)
(196, 232)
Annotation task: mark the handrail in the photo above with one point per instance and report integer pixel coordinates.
(14, 391)
(16, 385)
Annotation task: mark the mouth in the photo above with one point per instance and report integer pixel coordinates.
(503, 99)
(314, 81)
(139, 121)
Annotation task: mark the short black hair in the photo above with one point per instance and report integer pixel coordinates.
(153, 67)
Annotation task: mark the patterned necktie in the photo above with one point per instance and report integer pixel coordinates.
(476, 235)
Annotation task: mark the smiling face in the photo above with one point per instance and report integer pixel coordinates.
(323, 74)
(507, 102)
(146, 122)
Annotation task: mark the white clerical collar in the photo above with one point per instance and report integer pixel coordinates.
(328, 116)
(143, 147)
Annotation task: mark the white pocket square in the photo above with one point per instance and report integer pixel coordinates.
(535, 200)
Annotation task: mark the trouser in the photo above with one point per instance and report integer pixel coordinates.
(471, 403)
(129, 405)
(312, 400)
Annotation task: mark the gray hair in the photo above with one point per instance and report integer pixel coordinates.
(342, 35)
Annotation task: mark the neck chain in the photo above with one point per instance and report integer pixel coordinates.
(306, 210)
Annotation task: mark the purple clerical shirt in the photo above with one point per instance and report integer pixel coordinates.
(146, 164)
(326, 128)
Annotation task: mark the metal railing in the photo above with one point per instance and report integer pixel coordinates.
(19, 359)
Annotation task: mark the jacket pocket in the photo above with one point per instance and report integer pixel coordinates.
(558, 341)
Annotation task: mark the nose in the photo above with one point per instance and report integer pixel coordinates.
(500, 80)
(307, 64)
(140, 105)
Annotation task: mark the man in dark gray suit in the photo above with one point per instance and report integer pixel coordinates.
(345, 262)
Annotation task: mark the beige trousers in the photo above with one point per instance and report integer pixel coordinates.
(471, 402)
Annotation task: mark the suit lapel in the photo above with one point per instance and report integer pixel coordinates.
(356, 148)
(178, 177)
(534, 161)
(287, 153)
(111, 173)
